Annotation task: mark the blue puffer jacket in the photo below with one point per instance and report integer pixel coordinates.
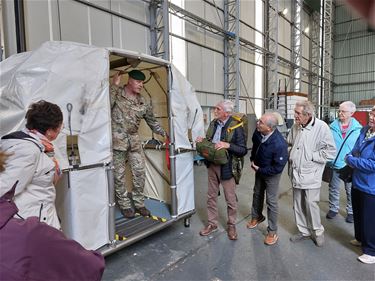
(355, 128)
(362, 159)
(237, 147)
(270, 156)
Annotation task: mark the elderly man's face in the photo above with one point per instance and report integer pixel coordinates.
(220, 113)
(299, 117)
(262, 127)
(135, 86)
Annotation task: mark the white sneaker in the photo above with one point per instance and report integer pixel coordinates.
(355, 242)
(367, 259)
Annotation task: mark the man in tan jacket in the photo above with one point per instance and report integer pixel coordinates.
(312, 146)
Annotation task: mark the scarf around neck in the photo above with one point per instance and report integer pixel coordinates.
(49, 150)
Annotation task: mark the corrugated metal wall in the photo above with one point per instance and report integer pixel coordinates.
(354, 58)
(71, 20)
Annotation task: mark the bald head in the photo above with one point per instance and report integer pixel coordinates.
(271, 120)
(267, 123)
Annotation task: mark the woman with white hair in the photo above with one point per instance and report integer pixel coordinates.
(345, 131)
(362, 160)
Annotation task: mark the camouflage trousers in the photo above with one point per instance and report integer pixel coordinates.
(134, 158)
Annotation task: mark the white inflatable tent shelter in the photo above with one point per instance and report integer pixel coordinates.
(77, 77)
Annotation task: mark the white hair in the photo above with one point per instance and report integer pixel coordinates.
(227, 105)
(308, 107)
(271, 120)
(350, 105)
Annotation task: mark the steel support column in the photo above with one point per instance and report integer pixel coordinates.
(159, 28)
(272, 32)
(314, 67)
(232, 78)
(327, 59)
(296, 45)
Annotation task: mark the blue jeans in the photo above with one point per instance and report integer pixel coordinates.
(334, 194)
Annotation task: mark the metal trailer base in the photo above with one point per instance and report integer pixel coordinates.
(138, 228)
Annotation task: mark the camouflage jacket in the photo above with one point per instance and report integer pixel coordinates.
(126, 118)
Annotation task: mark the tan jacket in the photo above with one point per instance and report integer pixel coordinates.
(312, 147)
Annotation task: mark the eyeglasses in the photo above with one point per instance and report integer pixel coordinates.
(343, 111)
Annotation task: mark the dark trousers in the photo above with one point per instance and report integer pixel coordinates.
(268, 185)
(364, 220)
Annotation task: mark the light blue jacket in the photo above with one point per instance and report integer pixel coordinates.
(362, 159)
(355, 128)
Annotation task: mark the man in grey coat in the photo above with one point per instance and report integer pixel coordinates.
(312, 145)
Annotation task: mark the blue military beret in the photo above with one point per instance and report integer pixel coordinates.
(137, 75)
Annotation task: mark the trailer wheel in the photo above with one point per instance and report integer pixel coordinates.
(187, 222)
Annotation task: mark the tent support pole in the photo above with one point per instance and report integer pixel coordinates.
(172, 153)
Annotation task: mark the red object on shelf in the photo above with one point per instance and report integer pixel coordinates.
(362, 117)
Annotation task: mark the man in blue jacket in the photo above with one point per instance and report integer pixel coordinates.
(268, 158)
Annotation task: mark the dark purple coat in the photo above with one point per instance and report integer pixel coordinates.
(32, 250)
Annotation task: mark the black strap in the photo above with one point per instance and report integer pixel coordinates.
(20, 135)
(342, 147)
(16, 135)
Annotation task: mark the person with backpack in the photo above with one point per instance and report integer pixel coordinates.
(33, 250)
(269, 156)
(224, 133)
(32, 162)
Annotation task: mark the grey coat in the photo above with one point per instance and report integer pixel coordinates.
(35, 193)
(311, 148)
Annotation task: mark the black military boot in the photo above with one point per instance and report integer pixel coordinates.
(128, 213)
(143, 211)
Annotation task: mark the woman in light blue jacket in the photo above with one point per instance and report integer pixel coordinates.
(362, 160)
(345, 130)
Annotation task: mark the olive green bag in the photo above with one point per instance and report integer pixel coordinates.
(239, 120)
(207, 150)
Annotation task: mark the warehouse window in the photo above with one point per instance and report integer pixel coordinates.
(178, 46)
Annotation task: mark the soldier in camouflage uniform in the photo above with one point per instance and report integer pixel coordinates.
(128, 108)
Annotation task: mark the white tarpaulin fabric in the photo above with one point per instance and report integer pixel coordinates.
(186, 110)
(62, 73)
(85, 203)
(77, 74)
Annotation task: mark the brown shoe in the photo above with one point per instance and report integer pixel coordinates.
(271, 239)
(143, 211)
(254, 222)
(232, 234)
(128, 213)
(208, 230)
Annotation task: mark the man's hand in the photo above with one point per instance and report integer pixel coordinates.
(199, 139)
(116, 79)
(254, 167)
(221, 145)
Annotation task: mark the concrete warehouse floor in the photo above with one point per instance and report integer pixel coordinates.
(180, 253)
